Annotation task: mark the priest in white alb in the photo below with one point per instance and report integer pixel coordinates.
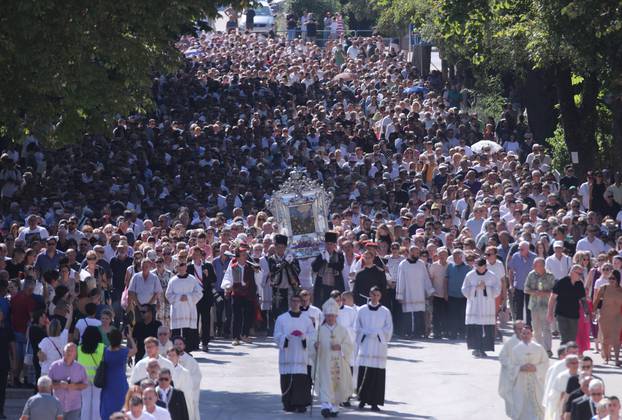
(183, 382)
(374, 328)
(529, 364)
(412, 289)
(505, 358)
(188, 362)
(183, 293)
(332, 370)
(294, 334)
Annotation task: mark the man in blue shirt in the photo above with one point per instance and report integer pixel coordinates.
(49, 259)
(456, 304)
(519, 265)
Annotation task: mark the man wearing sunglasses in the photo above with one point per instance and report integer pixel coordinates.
(170, 398)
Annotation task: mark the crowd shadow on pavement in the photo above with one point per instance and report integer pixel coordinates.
(225, 405)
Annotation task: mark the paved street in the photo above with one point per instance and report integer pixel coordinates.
(425, 380)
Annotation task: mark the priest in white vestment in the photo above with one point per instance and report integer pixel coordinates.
(557, 391)
(332, 372)
(188, 362)
(411, 291)
(184, 291)
(374, 328)
(183, 382)
(294, 334)
(528, 369)
(505, 358)
(554, 370)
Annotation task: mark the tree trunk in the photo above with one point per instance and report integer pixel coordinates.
(540, 99)
(616, 129)
(579, 124)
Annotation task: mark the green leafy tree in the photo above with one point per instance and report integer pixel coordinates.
(565, 53)
(69, 67)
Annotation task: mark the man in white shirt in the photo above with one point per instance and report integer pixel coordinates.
(591, 242)
(558, 264)
(139, 372)
(150, 397)
(33, 232)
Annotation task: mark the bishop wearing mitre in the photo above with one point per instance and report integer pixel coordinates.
(334, 351)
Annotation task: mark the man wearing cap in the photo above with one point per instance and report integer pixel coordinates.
(284, 272)
(558, 264)
(333, 348)
(413, 288)
(328, 267)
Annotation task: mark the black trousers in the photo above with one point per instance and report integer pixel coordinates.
(439, 317)
(223, 314)
(413, 323)
(191, 335)
(4, 376)
(481, 337)
(203, 321)
(396, 310)
(280, 301)
(520, 302)
(243, 315)
(456, 308)
(370, 385)
(295, 390)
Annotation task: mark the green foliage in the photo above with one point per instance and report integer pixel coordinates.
(69, 66)
(559, 150)
(488, 100)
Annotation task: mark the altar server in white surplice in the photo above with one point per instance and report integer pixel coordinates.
(294, 334)
(412, 289)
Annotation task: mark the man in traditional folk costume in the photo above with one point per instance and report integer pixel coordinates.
(332, 371)
(183, 293)
(328, 267)
(529, 364)
(411, 291)
(294, 334)
(373, 332)
(240, 281)
(284, 275)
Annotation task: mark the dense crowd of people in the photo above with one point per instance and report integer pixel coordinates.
(142, 245)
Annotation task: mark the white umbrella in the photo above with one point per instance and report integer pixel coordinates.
(486, 144)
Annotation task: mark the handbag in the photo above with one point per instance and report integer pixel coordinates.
(100, 373)
(28, 356)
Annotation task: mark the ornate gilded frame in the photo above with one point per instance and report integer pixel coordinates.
(301, 208)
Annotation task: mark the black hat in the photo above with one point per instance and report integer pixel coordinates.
(280, 239)
(331, 237)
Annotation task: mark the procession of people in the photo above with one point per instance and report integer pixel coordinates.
(143, 245)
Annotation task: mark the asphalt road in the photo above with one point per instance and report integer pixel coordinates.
(425, 380)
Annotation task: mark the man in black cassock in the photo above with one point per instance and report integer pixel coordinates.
(370, 276)
(328, 267)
